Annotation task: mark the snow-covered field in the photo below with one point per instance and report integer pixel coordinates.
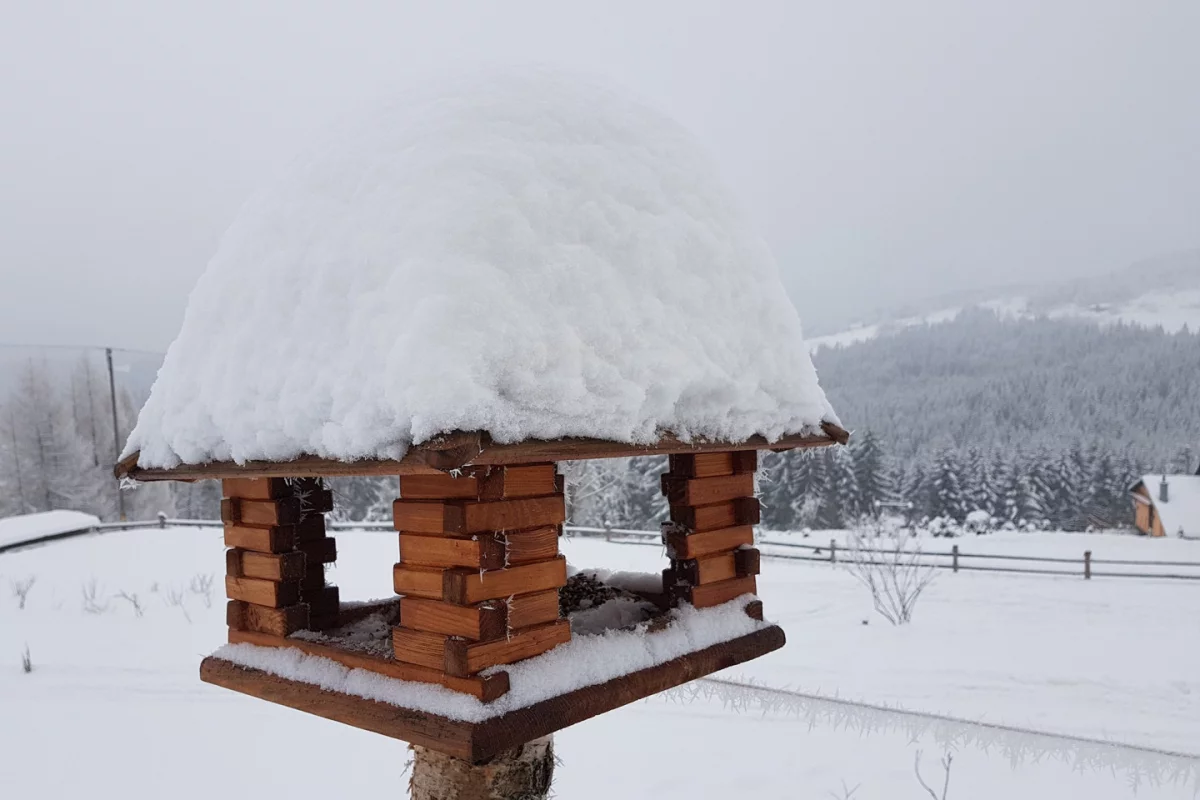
(113, 706)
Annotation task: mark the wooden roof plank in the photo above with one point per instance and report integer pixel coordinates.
(459, 450)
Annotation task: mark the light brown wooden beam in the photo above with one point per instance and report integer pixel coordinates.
(468, 516)
(461, 657)
(703, 491)
(277, 621)
(681, 544)
(456, 451)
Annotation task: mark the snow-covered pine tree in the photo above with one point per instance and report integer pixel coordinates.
(362, 499)
(919, 490)
(980, 489)
(844, 493)
(810, 486)
(871, 472)
(777, 489)
(644, 506)
(947, 487)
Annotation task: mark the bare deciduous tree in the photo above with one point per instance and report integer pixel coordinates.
(891, 568)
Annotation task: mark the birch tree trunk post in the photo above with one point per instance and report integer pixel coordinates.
(523, 773)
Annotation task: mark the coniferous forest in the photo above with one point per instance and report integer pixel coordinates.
(1038, 423)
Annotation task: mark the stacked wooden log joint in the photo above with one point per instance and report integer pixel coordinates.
(479, 570)
(275, 567)
(711, 533)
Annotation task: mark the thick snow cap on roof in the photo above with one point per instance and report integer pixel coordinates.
(524, 253)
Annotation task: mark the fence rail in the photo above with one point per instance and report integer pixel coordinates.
(830, 553)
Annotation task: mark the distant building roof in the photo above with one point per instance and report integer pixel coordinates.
(1180, 514)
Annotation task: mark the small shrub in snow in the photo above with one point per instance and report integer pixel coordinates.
(202, 585)
(847, 792)
(891, 569)
(26, 661)
(947, 760)
(93, 602)
(132, 599)
(175, 598)
(20, 590)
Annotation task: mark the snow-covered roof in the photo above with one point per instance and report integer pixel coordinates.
(525, 254)
(1180, 514)
(30, 527)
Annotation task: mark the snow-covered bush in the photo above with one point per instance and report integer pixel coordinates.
(891, 569)
(979, 522)
(943, 527)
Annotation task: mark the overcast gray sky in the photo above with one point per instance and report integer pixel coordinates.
(886, 150)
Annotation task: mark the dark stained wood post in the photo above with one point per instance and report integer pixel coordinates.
(954, 553)
(1087, 565)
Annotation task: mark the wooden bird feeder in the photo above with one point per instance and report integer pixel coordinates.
(477, 581)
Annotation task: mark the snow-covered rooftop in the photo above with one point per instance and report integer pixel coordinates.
(526, 254)
(29, 527)
(1180, 514)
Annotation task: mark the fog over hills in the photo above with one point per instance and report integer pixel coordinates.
(1162, 291)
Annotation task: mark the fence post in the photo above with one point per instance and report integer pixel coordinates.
(833, 551)
(162, 520)
(607, 529)
(1087, 565)
(954, 552)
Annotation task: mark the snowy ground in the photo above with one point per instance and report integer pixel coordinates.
(1115, 660)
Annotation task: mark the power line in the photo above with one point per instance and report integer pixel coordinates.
(100, 348)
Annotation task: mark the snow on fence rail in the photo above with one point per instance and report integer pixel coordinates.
(1085, 566)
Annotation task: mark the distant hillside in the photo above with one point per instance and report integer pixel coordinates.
(986, 380)
(1161, 292)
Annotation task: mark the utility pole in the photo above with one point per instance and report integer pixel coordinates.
(112, 394)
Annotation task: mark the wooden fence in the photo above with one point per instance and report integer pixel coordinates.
(954, 559)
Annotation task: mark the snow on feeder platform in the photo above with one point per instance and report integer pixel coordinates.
(480, 282)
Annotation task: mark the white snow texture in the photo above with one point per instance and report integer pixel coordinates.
(523, 253)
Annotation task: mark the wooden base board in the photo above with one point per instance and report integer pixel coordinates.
(478, 741)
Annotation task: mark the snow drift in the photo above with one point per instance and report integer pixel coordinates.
(526, 254)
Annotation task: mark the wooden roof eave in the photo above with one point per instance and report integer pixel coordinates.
(458, 450)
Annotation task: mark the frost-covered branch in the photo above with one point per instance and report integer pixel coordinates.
(894, 574)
